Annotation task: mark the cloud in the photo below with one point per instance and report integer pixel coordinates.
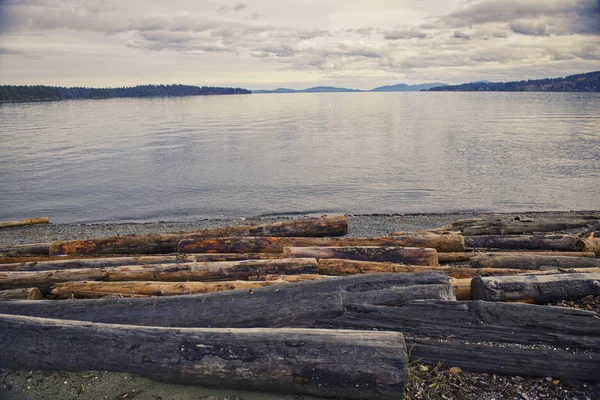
(239, 6)
(405, 34)
(461, 35)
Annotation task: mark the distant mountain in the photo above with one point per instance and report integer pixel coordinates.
(589, 82)
(316, 89)
(403, 87)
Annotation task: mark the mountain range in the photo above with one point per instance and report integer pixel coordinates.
(401, 87)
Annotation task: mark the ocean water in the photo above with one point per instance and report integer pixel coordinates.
(269, 154)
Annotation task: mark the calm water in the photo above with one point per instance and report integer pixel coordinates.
(231, 156)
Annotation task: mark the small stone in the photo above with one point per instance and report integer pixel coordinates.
(556, 381)
(455, 371)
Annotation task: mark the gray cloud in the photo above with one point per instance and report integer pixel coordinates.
(405, 34)
(461, 35)
(239, 6)
(528, 27)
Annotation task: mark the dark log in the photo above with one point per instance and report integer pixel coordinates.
(142, 260)
(167, 243)
(211, 271)
(292, 305)
(539, 289)
(23, 222)
(404, 255)
(504, 338)
(511, 225)
(532, 262)
(465, 257)
(527, 242)
(21, 294)
(25, 250)
(330, 363)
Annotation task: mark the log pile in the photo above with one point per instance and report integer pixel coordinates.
(288, 302)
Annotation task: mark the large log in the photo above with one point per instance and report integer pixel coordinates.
(330, 363)
(404, 255)
(292, 305)
(539, 289)
(23, 222)
(141, 260)
(210, 271)
(527, 242)
(466, 256)
(339, 267)
(511, 225)
(462, 288)
(276, 245)
(503, 338)
(592, 244)
(21, 294)
(167, 243)
(532, 262)
(25, 250)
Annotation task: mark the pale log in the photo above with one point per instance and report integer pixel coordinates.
(21, 294)
(462, 288)
(404, 255)
(293, 278)
(300, 304)
(592, 244)
(532, 262)
(23, 222)
(527, 242)
(209, 271)
(329, 363)
(139, 260)
(167, 243)
(511, 225)
(466, 256)
(539, 289)
(442, 243)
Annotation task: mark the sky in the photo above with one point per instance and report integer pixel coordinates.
(266, 44)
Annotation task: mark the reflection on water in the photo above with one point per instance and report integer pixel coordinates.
(228, 156)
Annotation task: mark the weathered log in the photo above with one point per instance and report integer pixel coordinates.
(167, 243)
(404, 255)
(527, 242)
(533, 262)
(292, 278)
(494, 337)
(511, 225)
(4, 259)
(210, 271)
(462, 288)
(292, 305)
(331, 363)
(23, 222)
(152, 288)
(276, 245)
(25, 250)
(334, 266)
(465, 257)
(539, 289)
(21, 294)
(592, 244)
(141, 260)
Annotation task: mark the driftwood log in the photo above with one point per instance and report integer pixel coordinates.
(539, 289)
(511, 225)
(21, 294)
(25, 250)
(167, 243)
(209, 271)
(527, 242)
(23, 222)
(404, 255)
(533, 262)
(466, 256)
(331, 363)
(462, 288)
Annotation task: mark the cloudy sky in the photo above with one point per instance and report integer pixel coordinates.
(294, 43)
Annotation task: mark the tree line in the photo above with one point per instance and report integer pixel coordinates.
(10, 93)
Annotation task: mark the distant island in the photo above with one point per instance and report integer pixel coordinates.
(589, 82)
(10, 93)
(401, 87)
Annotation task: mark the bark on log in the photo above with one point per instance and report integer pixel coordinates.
(532, 262)
(153, 288)
(404, 255)
(503, 338)
(592, 244)
(167, 243)
(527, 242)
(21, 294)
(292, 305)
(539, 289)
(23, 222)
(122, 261)
(211, 271)
(511, 225)
(334, 266)
(25, 250)
(330, 363)
(462, 288)
(276, 245)
(465, 257)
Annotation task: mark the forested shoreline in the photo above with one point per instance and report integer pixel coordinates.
(10, 93)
